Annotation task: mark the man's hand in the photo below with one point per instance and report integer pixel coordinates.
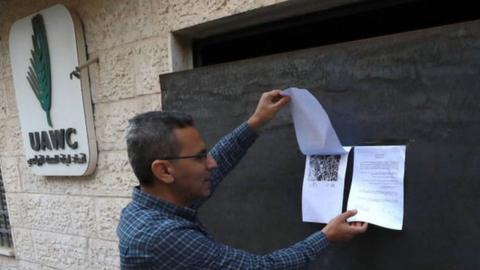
(270, 103)
(338, 229)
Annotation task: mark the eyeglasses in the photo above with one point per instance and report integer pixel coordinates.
(200, 156)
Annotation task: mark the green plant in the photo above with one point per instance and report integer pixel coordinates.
(38, 74)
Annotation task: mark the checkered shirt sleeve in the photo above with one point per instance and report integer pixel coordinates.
(187, 248)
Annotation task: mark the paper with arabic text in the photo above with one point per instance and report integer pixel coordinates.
(377, 185)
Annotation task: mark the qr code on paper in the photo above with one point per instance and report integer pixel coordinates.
(324, 168)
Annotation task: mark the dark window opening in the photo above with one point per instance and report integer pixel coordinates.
(5, 234)
(341, 24)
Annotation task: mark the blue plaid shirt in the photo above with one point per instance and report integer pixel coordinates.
(155, 234)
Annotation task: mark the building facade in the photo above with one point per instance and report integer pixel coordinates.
(385, 70)
(69, 222)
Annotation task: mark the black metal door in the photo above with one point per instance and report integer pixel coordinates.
(423, 86)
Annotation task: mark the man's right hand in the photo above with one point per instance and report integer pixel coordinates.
(268, 106)
(338, 229)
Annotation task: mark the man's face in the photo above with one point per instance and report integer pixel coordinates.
(191, 174)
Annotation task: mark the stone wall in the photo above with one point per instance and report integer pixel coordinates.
(69, 222)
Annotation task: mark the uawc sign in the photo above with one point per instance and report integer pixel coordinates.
(55, 110)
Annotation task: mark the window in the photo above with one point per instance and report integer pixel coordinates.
(361, 20)
(5, 234)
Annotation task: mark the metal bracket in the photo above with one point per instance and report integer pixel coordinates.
(76, 71)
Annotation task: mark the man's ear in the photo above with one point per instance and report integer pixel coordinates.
(163, 171)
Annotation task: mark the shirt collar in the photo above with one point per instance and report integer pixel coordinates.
(148, 201)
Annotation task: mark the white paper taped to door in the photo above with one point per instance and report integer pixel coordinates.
(315, 134)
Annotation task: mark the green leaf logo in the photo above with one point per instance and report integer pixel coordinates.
(38, 74)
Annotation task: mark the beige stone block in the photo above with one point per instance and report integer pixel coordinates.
(25, 265)
(235, 7)
(108, 215)
(90, 13)
(63, 214)
(82, 216)
(185, 13)
(44, 212)
(8, 263)
(5, 68)
(151, 60)
(49, 185)
(60, 250)
(215, 9)
(10, 138)
(113, 177)
(3, 99)
(10, 174)
(112, 23)
(3, 125)
(8, 105)
(160, 7)
(114, 79)
(11, 102)
(111, 123)
(8, 267)
(161, 18)
(112, 118)
(103, 254)
(240, 6)
(15, 211)
(24, 245)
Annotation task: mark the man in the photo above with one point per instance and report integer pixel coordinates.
(159, 229)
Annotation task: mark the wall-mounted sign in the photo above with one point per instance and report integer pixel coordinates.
(55, 110)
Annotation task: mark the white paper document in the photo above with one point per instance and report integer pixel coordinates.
(377, 182)
(377, 185)
(315, 134)
(323, 186)
(326, 163)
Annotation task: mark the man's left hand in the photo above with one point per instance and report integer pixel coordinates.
(270, 103)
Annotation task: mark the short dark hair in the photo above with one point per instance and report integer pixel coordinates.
(149, 137)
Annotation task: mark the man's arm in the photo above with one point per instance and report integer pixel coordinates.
(188, 248)
(270, 103)
(230, 149)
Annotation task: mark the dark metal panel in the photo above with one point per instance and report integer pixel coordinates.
(421, 85)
